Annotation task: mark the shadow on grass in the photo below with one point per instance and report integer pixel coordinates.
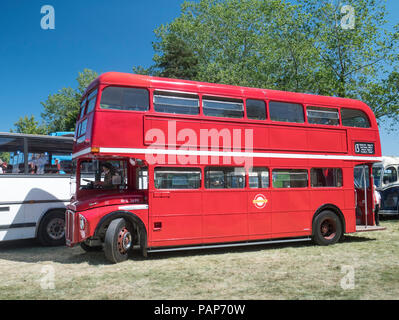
(225, 250)
(248, 248)
(390, 218)
(30, 251)
(353, 238)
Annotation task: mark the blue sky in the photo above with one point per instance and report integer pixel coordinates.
(95, 34)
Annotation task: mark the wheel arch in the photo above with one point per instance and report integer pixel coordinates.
(129, 217)
(333, 208)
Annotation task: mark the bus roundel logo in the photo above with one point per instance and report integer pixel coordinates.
(259, 201)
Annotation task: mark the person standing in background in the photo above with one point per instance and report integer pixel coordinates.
(377, 205)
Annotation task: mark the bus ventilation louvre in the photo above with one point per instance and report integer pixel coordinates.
(70, 226)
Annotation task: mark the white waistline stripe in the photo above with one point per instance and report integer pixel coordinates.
(228, 154)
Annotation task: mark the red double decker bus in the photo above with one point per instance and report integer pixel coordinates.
(166, 164)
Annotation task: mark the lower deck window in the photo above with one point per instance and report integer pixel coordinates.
(177, 178)
(326, 177)
(290, 178)
(224, 178)
(258, 177)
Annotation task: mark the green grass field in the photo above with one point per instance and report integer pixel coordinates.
(363, 266)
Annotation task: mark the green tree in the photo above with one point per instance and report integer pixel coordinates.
(176, 61)
(61, 109)
(241, 42)
(305, 47)
(29, 125)
(354, 58)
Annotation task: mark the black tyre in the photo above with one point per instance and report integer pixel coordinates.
(327, 228)
(88, 248)
(118, 241)
(51, 230)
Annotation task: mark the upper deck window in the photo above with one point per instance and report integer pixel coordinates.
(286, 112)
(178, 103)
(81, 131)
(354, 118)
(326, 116)
(223, 107)
(91, 101)
(122, 98)
(83, 108)
(256, 109)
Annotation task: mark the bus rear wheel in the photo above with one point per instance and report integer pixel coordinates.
(327, 228)
(118, 241)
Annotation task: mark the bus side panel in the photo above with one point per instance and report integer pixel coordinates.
(324, 140)
(24, 201)
(225, 215)
(44, 193)
(12, 218)
(322, 196)
(259, 214)
(175, 217)
(287, 138)
(118, 124)
(290, 212)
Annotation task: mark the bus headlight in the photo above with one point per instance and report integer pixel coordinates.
(82, 222)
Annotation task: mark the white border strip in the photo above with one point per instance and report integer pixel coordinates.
(81, 152)
(232, 154)
(134, 207)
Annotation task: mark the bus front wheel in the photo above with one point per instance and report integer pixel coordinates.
(327, 228)
(51, 230)
(118, 241)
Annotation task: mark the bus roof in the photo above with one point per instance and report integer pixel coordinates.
(22, 135)
(388, 160)
(127, 79)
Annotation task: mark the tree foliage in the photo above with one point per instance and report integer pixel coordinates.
(29, 125)
(61, 109)
(274, 44)
(177, 60)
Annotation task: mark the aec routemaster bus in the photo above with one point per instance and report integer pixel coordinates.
(35, 186)
(165, 164)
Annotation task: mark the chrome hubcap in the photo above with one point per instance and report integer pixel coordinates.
(124, 240)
